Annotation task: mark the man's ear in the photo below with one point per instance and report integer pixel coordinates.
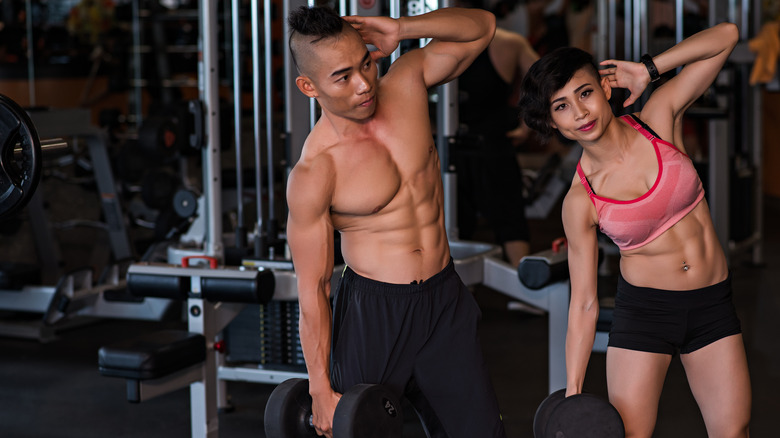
(606, 87)
(306, 86)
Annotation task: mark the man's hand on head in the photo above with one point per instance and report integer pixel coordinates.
(381, 32)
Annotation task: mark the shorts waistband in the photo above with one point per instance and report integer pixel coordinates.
(678, 298)
(368, 285)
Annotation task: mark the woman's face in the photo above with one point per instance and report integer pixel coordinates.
(580, 110)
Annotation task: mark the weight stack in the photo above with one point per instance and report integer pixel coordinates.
(266, 334)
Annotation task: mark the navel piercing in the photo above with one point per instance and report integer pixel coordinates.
(685, 267)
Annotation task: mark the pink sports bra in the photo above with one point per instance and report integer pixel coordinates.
(677, 191)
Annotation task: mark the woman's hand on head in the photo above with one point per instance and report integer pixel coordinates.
(632, 76)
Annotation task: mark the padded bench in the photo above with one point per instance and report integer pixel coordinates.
(161, 362)
(151, 356)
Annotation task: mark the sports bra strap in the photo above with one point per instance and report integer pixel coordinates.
(640, 126)
(584, 180)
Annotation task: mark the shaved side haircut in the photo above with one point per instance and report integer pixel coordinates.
(310, 25)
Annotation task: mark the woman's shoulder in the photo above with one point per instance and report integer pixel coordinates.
(659, 115)
(577, 196)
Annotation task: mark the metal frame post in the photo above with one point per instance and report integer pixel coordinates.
(272, 224)
(209, 93)
(240, 240)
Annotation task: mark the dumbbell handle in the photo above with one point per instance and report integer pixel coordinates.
(47, 146)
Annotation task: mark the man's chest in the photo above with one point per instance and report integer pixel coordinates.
(373, 175)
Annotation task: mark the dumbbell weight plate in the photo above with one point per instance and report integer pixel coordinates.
(288, 410)
(368, 411)
(18, 178)
(585, 416)
(545, 409)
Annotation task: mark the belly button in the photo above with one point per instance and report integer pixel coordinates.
(685, 266)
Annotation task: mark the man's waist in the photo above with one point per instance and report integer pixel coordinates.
(397, 268)
(368, 283)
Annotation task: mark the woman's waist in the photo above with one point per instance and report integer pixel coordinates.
(680, 271)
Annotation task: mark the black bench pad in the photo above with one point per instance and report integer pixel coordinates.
(153, 355)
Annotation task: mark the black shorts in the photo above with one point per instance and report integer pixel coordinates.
(663, 321)
(420, 341)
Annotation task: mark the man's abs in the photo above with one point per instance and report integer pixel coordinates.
(397, 256)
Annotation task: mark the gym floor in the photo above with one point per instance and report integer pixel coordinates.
(54, 389)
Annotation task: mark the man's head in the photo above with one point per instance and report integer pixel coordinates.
(333, 61)
(309, 26)
(545, 77)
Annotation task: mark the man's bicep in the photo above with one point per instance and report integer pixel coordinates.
(309, 232)
(310, 236)
(444, 61)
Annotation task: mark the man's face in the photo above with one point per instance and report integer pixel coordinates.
(342, 76)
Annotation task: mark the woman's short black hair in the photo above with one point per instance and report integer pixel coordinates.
(545, 77)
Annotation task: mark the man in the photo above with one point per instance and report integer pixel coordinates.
(369, 169)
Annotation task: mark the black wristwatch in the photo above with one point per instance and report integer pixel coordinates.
(647, 60)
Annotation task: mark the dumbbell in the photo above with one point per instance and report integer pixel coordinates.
(577, 416)
(363, 411)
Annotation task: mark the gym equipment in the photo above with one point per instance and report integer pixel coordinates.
(540, 269)
(363, 411)
(75, 300)
(537, 270)
(578, 416)
(185, 203)
(158, 188)
(160, 363)
(20, 157)
(76, 122)
(173, 130)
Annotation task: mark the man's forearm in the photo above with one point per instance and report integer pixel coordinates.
(449, 24)
(315, 332)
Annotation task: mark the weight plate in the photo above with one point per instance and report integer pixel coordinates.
(185, 203)
(20, 170)
(544, 410)
(584, 416)
(288, 410)
(368, 411)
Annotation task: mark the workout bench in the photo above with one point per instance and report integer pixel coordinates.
(163, 362)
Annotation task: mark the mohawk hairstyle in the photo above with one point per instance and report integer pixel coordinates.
(319, 22)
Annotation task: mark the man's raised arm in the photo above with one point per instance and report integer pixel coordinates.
(458, 36)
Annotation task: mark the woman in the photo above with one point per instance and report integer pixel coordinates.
(635, 183)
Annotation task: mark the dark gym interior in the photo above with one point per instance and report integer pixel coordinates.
(117, 93)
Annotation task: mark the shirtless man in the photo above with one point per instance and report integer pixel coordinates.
(401, 316)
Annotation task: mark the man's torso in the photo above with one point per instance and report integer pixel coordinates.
(387, 199)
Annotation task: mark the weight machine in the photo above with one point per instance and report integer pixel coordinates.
(76, 297)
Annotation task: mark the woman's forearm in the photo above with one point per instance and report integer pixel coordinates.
(709, 43)
(579, 344)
